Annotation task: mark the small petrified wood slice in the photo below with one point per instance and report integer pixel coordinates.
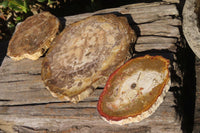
(85, 54)
(32, 37)
(135, 90)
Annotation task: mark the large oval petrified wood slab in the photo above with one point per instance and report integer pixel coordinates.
(33, 36)
(135, 90)
(85, 54)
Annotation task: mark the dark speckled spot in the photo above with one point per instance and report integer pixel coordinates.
(79, 83)
(133, 85)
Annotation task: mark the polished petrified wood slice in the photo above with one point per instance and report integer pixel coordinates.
(33, 37)
(85, 54)
(135, 90)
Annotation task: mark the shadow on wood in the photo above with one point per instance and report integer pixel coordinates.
(3, 51)
(185, 95)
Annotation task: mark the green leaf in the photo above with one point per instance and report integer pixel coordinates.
(19, 5)
(11, 25)
(18, 18)
(51, 2)
(26, 6)
(41, 0)
(4, 4)
(17, 2)
(14, 7)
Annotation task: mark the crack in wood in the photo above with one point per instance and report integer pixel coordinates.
(36, 89)
(79, 108)
(91, 101)
(51, 103)
(173, 37)
(27, 129)
(5, 100)
(163, 19)
(13, 81)
(32, 104)
(25, 73)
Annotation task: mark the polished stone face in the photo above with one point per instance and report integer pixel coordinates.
(134, 87)
(86, 53)
(33, 36)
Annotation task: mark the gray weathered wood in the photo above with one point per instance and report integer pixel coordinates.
(140, 13)
(155, 46)
(172, 1)
(152, 19)
(26, 106)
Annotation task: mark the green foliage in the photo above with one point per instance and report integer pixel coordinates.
(49, 2)
(4, 4)
(16, 5)
(41, 0)
(15, 11)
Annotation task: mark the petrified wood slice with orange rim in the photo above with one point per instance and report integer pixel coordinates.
(135, 90)
(85, 54)
(33, 36)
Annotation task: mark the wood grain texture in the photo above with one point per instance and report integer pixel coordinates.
(26, 106)
(172, 1)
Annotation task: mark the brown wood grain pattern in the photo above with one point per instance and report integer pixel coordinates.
(26, 106)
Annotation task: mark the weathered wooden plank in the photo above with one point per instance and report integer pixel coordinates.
(19, 80)
(140, 13)
(168, 20)
(155, 40)
(172, 1)
(145, 43)
(7, 67)
(37, 123)
(39, 108)
(156, 46)
(161, 9)
(67, 114)
(159, 30)
(26, 106)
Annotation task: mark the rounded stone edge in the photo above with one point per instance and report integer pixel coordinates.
(145, 114)
(42, 50)
(87, 92)
(190, 28)
(74, 99)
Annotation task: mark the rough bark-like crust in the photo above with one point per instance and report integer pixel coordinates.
(85, 54)
(135, 90)
(33, 36)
